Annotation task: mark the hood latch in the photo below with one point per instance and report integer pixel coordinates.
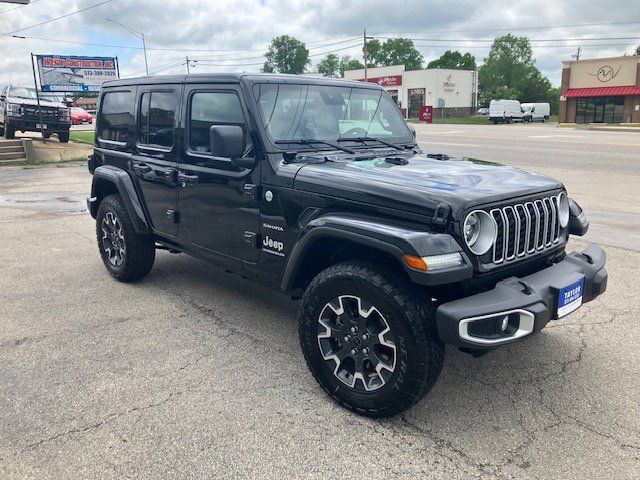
(441, 215)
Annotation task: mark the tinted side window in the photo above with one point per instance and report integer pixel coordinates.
(157, 114)
(115, 116)
(212, 108)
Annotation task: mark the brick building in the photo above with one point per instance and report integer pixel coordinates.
(601, 90)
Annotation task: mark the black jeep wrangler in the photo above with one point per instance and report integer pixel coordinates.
(317, 188)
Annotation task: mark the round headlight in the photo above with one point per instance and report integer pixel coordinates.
(479, 232)
(563, 209)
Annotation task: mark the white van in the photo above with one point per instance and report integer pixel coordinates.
(505, 111)
(536, 111)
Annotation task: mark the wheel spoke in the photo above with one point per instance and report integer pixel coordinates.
(356, 341)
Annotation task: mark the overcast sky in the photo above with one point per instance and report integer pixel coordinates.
(247, 26)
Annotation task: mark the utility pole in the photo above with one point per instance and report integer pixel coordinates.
(365, 54)
(188, 72)
(577, 55)
(139, 35)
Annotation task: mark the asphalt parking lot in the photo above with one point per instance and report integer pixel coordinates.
(196, 373)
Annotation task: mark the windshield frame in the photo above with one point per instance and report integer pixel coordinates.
(269, 142)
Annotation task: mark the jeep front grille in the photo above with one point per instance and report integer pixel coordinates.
(525, 229)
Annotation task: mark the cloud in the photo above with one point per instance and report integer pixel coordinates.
(247, 26)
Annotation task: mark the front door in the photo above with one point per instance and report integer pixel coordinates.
(218, 202)
(154, 162)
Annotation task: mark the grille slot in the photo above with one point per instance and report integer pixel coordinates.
(525, 228)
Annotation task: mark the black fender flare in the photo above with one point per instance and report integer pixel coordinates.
(376, 233)
(123, 183)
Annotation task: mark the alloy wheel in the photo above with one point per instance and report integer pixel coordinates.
(357, 342)
(113, 239)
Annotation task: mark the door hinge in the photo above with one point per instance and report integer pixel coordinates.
(173, 216)
(252, 191)
(251, 238)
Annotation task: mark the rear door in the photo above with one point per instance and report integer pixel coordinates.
(218, 201)
(154, 162)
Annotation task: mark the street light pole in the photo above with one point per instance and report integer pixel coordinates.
(139, 35)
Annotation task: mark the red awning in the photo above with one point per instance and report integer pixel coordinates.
(602, 92)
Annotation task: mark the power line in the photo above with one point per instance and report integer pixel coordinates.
(487, 47)
(57, 18)
(491, 40)
(209, 64)
(162, 49)
(545, 27)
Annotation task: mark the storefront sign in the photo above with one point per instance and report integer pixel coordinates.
(449, 84)
(426, 114)
(388, 81)
(606, 73)
(60, 73)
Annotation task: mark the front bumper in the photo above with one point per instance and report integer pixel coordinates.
(527, 303)
(26, 124)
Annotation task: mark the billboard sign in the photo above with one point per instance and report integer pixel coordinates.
(60, 73)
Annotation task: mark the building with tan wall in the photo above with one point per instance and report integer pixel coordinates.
(450, 92)
(601, 90)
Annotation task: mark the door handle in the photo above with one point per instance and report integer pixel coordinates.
(142, 168)
(186, 180)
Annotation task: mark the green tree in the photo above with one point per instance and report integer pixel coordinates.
(553, 97)
(329, 66)
(510, 70)
(286, 55)
(395, 51)
(348, 63)
(637, 50)
(455, 60)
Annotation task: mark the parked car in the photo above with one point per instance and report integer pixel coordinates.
(483, 111)
(316, 187)
(536, 112)
(80, 116)
(19, 112)
(505, 111)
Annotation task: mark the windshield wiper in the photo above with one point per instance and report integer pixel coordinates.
(311, 141)
(371, 139)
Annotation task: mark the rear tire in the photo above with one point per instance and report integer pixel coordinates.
(63, 137)
(126, 254)
(374, 300)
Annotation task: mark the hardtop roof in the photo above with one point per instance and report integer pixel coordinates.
(231, 78)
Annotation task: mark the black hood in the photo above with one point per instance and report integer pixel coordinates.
(418, 184)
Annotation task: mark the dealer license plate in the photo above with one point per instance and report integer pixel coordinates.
(570, 298)
(41, 126)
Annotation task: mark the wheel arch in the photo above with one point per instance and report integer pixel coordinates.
(108, 180)
(332, 239)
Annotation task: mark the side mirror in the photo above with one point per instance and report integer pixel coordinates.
(413, 130)
(227, 141)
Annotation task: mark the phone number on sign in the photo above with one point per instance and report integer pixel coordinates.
(100, 73)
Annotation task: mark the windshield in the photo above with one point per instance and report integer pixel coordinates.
(23, 92)
(297, 112)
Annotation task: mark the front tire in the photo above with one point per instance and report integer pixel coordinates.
(369, 338)
(127, 254)
(9, 132)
